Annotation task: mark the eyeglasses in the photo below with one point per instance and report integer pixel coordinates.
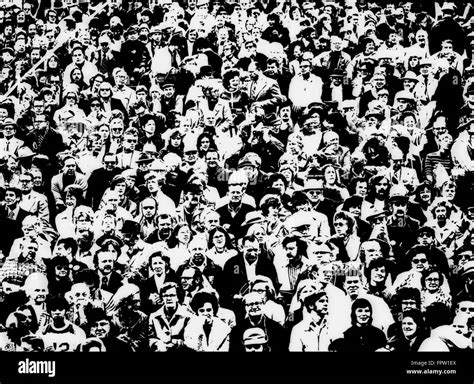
(466, 309)
(253, 347)
(169, 295)
(255, 303)
(418, 261)
(62, 267)
(131, 141)
(432, 279)
(95, 105)
(103, 323)
(150, 207)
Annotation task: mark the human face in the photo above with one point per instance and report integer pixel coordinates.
(100, 329)
(433, 282)
(425, 195)
(378, 274)
(170, 298)
(130, 142)
(352, 285)
(253, 306)
(381, 188)
(188, 279)
(61, 270)
(109, 163)
(291, 251)
(148, 208)
(26, 183)
(330, 176)
(409, 327)
(399, 208)
(305, 67)
(69, 167)
(325, 271)
(419, 262)
(465, 307)
(106, 262)
(251, 251)
(341, 227)
(235, 193)
(254, 348)
(158, 266)
(11, 198)
(206, 311)
(449, 191)
(440, 213)
(39, 294)
(197, 249)
(322, 305)
(78, 57)
(408, 304)
(219, 240)
(363, 315)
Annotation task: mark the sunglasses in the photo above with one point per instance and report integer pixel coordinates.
(253, 347)
(418, 261)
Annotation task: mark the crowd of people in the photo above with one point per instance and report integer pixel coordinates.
(247, 175)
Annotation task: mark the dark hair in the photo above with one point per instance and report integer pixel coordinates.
(159, 254)
(274, 202)
(213, 231)
(170, 285)
(417, 317)
(428, 272)
(57, 302)
(173, 239)
(212, 143)
(360, 303)
(437, 314)
(249, 238)
(201, 298)
(408, 293)
(300, 244)
(228, 75)
(376, 263)
(311, 299)
(75, 191)
(69, 243)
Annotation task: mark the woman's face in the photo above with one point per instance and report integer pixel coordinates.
(205, 144)
(378, 274)
(70, 201)
(219, 240)
(184, 235)
(362, 315)
(419, 262)
(175, 141)
(280, 185)
(206, 311)
(234, 82)
(432, 282)
(104, 132)
(76, 75)
(330, 175)
(259, 233)
(288, 175)
(409, 327)
(410, 122)
(425, 195)
(158, 266)
(61, 270)
(413, 62)
(150, 128)
(53, 63)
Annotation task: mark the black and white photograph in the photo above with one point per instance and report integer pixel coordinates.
(236, 176)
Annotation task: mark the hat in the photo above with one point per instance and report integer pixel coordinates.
(410, 75)
(467, 268)
(352, 201)
(8, 121)
(398, 192)
(168, 81)
(404, 95)
(143, 26)
(143, 158)
(300, 219)
(130, 226)
(206, 70)
(155, 29)
(25, 152)
(313, 184)
(426, 229)
(245, 162)
(8, 50)
(158, 165)
(254, 336)
(376, 214)
(448, 7)
(375, 113)
(141, 88)
(130, 30)
(320, 248)
(101, 240)
(425, 61)
(254, 217)
(271, 119)
(348, 104)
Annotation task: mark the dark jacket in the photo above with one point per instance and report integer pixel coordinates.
(362, 339)
(98, 182)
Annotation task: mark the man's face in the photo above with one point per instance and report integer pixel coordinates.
(425, 239)
(158, 266)
(113, 200)
(168, 91)
(251, 251)
(212, 159)
(198, 253)
(105, 262)
(381, 187)
(419, 262)
(130, 142)
(164, 227)
(170, 298)
(78, 57)
(253, 305)
(372, 251)
(11, 198)
(35, 55)
(58, 314)
(100, 329)
(69, 168)
(235, 193)
(440, 213)
(305, 67)
(38, 295)
(291, 251)
(315, 195)
(352, 285)
(465, 307)
(188, 279)
(211, 221)
(407, 304)
(109, 163)
(321, 306)
(449, 191)
(399, 208)
(26, 183)
(336, 45)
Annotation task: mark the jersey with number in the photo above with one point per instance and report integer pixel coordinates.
(65, 339)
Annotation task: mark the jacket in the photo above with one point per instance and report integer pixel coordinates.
(195, 338)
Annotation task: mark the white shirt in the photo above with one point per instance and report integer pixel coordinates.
(303, 92)
(250, 270)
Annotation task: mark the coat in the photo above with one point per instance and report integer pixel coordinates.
(57, 186)
(195, 338)
(265, 92)
(36, 204)
(366, 339)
